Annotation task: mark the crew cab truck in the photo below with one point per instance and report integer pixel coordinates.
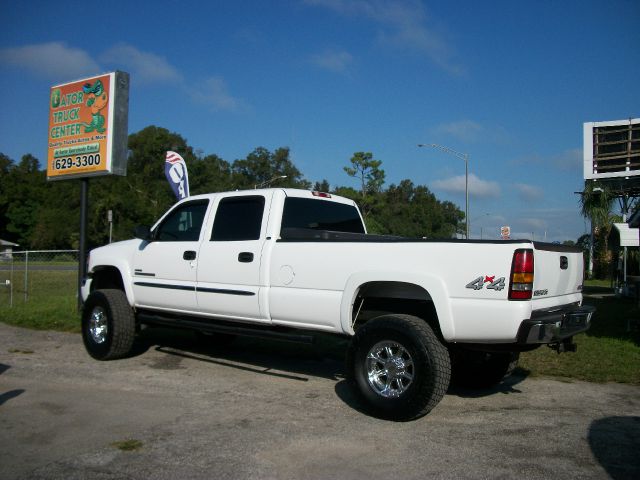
(285, 263)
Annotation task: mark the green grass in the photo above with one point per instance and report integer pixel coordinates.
(51, 302)
(594, 282)
(128, 445)
(608, 352)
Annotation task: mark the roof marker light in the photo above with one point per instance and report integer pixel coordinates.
(321, 194)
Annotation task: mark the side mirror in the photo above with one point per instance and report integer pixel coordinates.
(143, 233)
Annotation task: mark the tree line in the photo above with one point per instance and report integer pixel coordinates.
(37, 214)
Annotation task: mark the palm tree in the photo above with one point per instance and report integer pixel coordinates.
(596, 203)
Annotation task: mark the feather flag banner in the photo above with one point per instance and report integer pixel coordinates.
(175, 169)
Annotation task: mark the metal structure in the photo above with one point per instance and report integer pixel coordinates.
(465, 157)
(612, 150)
(612, 160)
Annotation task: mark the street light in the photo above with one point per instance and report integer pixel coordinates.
(465, 157)
(479, 217)
(269, 182)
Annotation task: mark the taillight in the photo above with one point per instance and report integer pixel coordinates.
(521, 285)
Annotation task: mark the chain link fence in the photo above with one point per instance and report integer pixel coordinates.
(37, 276)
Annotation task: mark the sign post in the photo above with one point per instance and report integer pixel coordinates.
(88, 134)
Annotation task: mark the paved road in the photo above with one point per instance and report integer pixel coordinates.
(272, 411)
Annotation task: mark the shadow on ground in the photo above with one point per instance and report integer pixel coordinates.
(615, 443)
(505, 387)
(324, 359)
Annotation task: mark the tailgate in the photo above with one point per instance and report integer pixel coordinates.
(559, 271)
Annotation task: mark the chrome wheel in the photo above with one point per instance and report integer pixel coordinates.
(108, 324)
(98, 325)
(390, 369)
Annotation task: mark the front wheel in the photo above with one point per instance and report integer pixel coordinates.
(398, 367)
(108, 325)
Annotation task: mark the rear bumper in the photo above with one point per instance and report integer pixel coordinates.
(555, 325)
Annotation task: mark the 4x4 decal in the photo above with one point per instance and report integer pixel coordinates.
(478, 283)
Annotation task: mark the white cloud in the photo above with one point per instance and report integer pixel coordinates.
(553, 223)
(469, 131)
(528, 193)
(335, 61)
(143, 66)
(60, 62)
(477, 187)
(463, 130)
(214, 93)
(55, 60)
(146, 67)
(402, 25)
(533, 223)
(569, 159)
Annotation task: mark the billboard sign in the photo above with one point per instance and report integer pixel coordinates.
(88, 127)
(612, 149)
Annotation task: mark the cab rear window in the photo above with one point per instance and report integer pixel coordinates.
(321, 215)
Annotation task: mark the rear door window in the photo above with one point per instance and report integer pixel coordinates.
(238, 219)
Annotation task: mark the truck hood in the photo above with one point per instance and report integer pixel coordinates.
(118, 250)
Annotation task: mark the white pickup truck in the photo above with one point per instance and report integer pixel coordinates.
(285, 263)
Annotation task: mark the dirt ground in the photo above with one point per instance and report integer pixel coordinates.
(266, 410)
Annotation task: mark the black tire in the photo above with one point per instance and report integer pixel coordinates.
(409, 365)
(477, 369)
(108, 325)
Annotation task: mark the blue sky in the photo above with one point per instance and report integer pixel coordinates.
(510, 83)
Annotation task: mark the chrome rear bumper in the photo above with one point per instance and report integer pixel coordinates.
(555, 325)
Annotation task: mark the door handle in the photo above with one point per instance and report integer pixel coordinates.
(245, 257)
(189, 255)
(564, 263)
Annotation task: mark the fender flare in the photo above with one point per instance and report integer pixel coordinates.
(433, 286)
(125, 274)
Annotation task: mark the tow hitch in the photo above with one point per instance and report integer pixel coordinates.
(566, 345)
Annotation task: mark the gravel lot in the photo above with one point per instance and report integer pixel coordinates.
(268, 410)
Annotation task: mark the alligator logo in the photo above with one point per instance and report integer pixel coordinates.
(97, 99)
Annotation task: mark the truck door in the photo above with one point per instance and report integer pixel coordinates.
(229, 261)
(165, 270)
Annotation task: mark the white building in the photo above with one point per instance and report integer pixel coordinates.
(6, 249)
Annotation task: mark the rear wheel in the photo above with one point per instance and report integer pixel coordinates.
(398, 367)
(108, 325)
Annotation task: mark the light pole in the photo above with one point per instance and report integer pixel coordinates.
(465, 157)
(110, 219)
(479, 217)
(269, 182)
